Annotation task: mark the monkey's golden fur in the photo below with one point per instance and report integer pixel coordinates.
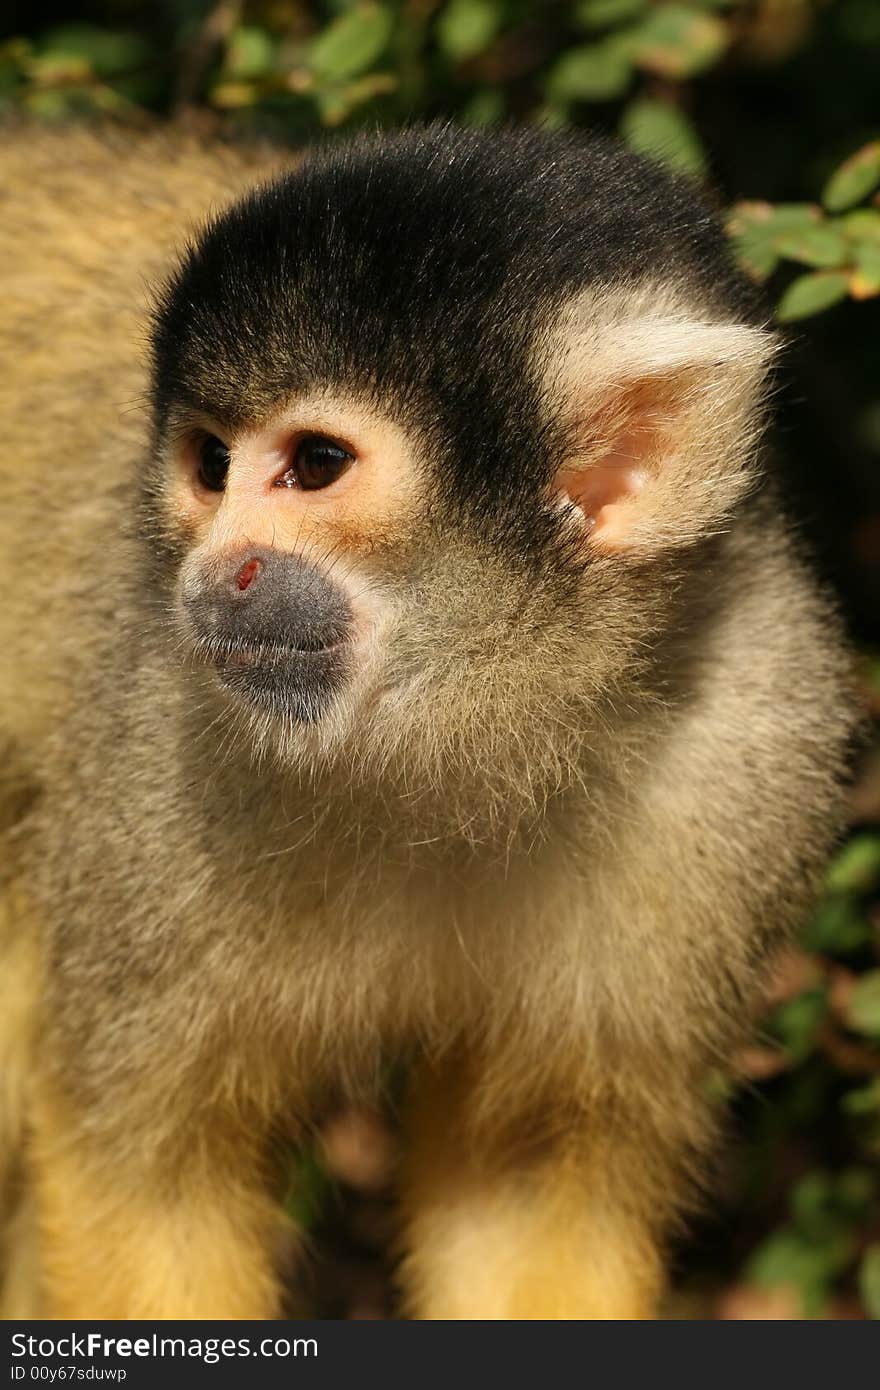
(567, 987)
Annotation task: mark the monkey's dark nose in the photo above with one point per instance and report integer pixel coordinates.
(261, 598)
(274, 625)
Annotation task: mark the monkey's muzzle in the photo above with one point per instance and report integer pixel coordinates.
(275, 628)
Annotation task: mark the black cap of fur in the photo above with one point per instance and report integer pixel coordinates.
(413, 267)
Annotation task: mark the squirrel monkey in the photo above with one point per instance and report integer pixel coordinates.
(404, 656)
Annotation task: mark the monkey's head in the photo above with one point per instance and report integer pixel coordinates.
(439, 417)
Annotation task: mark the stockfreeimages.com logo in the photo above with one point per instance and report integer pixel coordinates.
(92, 1345)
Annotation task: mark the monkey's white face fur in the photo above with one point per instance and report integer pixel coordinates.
(455, 665)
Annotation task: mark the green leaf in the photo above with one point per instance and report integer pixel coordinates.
(796, 1023)
(336, 104)
(838, 926)
(308, 1188)
(107, 52)
(789, 217)
(467, 27)
(232, 96)
(788, 1257)
(593, 72)
(663, 132)
(810, 294)
(599, 14)
(49, 105)
(676, 41)
(869, 1280)
(756, 257)
(863, 1006)
(862, 225)
(857, 867)
(865, 282)
(485, 107)
(250, 53)
(869, 671)
(10, 77)
(828, 1206)
(552, 115)
(863, 1100)
(810, 1201)
(854, 180)
(852, 1191)
(754, 228)
(353, 42)
(49, 69)
(819, 244)
(16, 51)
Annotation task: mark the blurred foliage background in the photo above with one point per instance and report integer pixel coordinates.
(775, 106)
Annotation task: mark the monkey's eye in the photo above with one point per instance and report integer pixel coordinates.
(213, 463)
(317, 462)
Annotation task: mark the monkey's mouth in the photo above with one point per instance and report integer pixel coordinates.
(271, 654)
(291, 683)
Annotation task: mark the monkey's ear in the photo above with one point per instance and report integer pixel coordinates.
(661, 415)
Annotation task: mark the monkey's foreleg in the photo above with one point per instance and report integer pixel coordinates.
(19, 992)
(122, 1236)
(541, 1223)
